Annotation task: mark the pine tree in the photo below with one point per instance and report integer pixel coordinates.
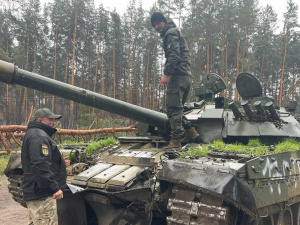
(290, 22)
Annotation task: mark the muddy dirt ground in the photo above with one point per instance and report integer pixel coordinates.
(11, 213)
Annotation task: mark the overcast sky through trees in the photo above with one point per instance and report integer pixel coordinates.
(121, 5)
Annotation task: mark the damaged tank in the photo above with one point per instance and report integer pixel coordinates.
(135, 182)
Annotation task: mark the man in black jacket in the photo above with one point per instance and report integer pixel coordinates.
(177, 79)
(44, 168)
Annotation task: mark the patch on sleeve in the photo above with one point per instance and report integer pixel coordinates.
(44, 150)
(170, 44)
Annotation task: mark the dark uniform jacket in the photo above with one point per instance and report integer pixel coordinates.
(176, 51)
(43, 165)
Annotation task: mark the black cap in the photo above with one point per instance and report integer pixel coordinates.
(45, 112)
(158, 17)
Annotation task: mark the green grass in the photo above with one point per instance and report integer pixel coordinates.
(70, 142)
(3, 163)
(254, 143)
(219, 144)
(203, 151)
(287, 145)
(254, 147)
(100, 144)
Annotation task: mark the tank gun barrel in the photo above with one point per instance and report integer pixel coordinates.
(11, 74)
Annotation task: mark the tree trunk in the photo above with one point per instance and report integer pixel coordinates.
(147, 80)
(102, 74)
(54, 64)
(34, 69)
(207, 58)
(154, 78)
(282, 69)
(114, 64)
(129, 91)
(237, 65)
(226, 64)
(73, 66)
(7, 89)
(25, 103)
(96, 73)
(135, 76)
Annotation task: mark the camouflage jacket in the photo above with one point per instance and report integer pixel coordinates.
(176, 51)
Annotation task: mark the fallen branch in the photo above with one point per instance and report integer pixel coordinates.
(2, 140)
(15, 131)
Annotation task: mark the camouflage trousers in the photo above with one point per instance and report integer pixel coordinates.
(42, 211)
(177, 92)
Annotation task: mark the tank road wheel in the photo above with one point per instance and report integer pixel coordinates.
(285, 217)
(15, 188)
(296, 213)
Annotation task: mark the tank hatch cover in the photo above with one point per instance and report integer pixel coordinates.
(248, 86)
(214, 83)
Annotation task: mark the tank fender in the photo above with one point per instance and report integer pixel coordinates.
(14, 163)
(219, 180)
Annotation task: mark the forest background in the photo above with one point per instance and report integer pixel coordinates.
(120, 56)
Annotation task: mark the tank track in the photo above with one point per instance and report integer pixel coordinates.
(196, 208)
(189, 207)
(15, 189)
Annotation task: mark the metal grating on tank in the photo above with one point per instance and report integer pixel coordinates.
(118, 170)
(132, 157)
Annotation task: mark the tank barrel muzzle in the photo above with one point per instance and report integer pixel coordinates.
(7, 71)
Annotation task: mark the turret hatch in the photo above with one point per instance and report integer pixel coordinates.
(248, 86)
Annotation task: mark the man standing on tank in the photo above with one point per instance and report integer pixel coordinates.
(177, 79)
(44, 169)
